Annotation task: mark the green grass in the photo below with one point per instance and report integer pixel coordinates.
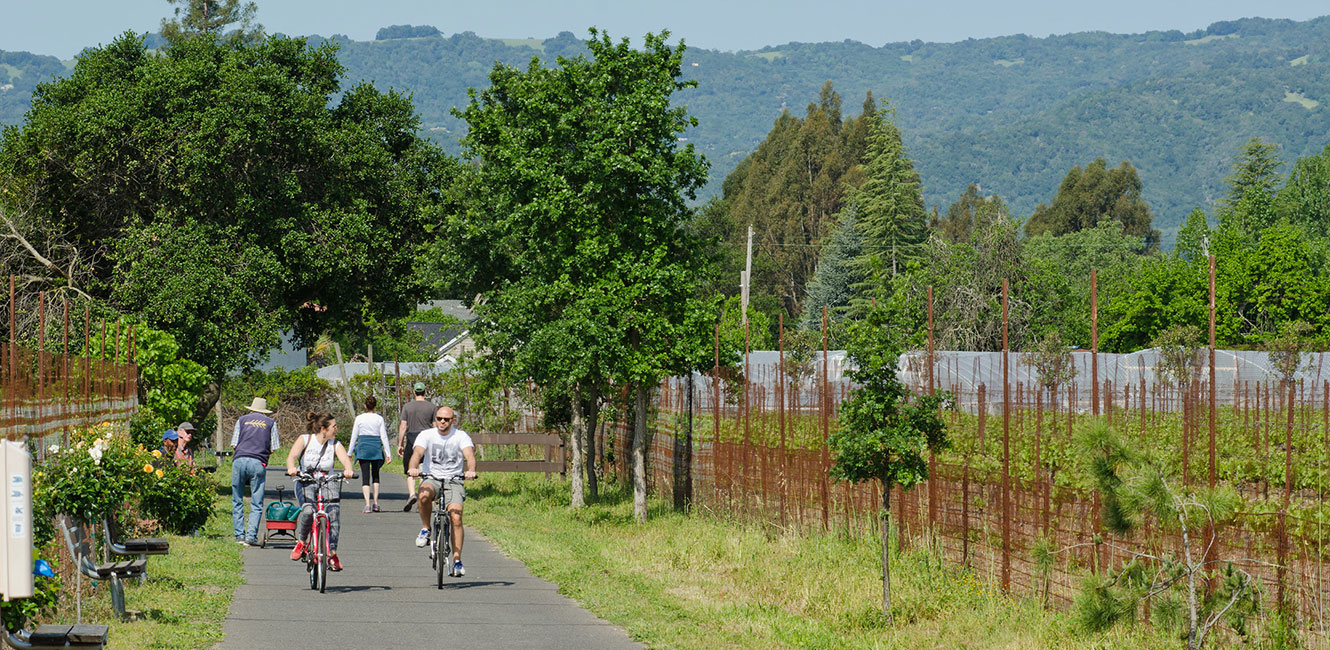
(1207, 39)
(1302, 60)
(704, 582)
(769, 56)
(1301, 100)
(187, 594)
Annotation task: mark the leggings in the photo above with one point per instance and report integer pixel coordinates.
(331, 505)
(368, 469)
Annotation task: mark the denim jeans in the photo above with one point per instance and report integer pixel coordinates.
(247, 472)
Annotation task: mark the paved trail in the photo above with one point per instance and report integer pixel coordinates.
(386, 597)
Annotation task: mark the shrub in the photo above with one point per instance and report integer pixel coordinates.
(94, 475)
(278, 386)
(179, 497)
(45, 594)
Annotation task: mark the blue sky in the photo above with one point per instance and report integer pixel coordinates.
(63, 27)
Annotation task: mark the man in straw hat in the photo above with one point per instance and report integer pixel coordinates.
(254, 439)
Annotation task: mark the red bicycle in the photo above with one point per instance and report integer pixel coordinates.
(317, 553)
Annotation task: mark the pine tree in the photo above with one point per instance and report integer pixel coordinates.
(1254, 169)
(891, 205)
(199, 17)
(833, 282)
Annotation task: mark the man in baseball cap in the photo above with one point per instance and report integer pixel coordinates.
(417, 415)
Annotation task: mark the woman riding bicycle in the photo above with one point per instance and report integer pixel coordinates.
(315, 451)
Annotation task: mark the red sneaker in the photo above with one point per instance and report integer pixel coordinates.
(298, 551)
(334, 563)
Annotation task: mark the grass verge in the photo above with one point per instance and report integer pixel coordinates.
(187, 594)
(702, 582)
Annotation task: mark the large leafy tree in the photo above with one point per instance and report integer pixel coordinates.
(574, 238)
(1093, 194)
(226, 192)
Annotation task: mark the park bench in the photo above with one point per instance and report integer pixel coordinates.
(140, 547)
(57, 636)
(76, 539)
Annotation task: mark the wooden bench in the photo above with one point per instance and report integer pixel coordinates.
(555, 455)
(76, 539)
(57, 636)
(139, 547)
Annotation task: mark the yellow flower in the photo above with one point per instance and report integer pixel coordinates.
(147, 469)
(159, 473)
(156, 453)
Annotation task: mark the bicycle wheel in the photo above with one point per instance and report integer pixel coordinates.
(446, 548)
(324, 553)
(310, 557)
(435, 551)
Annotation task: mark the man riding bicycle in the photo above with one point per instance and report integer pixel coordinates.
(444, 450)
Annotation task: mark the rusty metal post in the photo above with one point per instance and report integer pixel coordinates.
(64, 404)
(965, 513)
(1006, 450)
(1288, 444)
(715, 424)
(747, 439)
(932, 458)
(87, 364)
(13, 365)
(41, 369)
(1213, 397)
(780, 406)
(826, 430)
(983, 424)
(1094, 341)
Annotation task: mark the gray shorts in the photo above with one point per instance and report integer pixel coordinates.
(446, 492)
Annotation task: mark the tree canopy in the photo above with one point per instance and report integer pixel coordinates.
(227, 191)
(1096, 193)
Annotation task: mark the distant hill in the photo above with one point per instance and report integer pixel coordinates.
(1011, 113)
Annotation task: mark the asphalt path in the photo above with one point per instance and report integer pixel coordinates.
(387, 596)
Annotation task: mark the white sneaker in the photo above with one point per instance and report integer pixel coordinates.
(423, 538)
(458, 571)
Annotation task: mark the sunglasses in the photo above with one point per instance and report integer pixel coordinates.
(439, 419)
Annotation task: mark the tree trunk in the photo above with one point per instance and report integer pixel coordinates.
(589, 449)
(575, 438)
(678, 466)
(639, 453)
(886, 550)
(212, 393)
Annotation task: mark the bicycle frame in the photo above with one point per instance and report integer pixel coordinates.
(316, 547)
(441, 534)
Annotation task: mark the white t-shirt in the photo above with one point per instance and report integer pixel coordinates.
(443, 457)
(316, 459)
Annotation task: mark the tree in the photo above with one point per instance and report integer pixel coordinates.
(1305, 200)
(201, 17)
(574, 238)
(1094, 194)
(836, 275)
(884, 433)
(225, 192)
(1135, 487)
(1194, 238)
(891, 206)
(1255, 169)
(970, 211)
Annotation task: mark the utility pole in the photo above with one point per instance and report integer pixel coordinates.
(746, 279)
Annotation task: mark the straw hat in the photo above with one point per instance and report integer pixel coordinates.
(259, 405)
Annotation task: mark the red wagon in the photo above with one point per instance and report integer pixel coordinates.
(279, 519)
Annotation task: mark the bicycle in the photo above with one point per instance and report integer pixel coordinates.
(441, 534)
(316, 547)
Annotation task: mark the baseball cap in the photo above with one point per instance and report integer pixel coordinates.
(419, 387)
(170, 435)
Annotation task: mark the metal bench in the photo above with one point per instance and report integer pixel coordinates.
(76, 539)
(57, 636)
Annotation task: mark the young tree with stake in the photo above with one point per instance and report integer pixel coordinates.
(885, 434)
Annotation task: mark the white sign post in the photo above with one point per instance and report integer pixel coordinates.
(16, 539)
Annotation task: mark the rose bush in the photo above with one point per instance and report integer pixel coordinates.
(95, 474)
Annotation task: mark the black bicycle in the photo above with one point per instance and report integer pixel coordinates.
(441, 535)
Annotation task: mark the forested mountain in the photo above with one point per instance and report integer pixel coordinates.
(1011, 114)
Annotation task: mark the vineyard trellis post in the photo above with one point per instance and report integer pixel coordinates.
(1006, 450)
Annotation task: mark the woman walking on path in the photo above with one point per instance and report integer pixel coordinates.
(314, 452)
(369, 445)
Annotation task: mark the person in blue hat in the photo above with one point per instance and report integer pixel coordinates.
(170, 440)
